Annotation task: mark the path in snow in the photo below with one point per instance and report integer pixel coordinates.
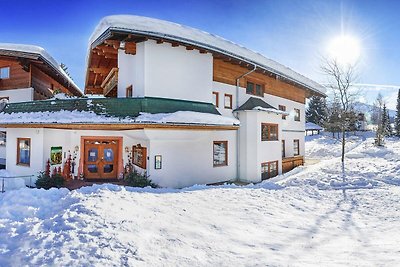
(308, 217)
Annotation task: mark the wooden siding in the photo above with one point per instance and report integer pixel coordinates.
(226, 72)
(291, 163)
(19, 78)
(42, 84)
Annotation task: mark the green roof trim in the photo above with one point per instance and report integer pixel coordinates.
(113, 107)
(253, 102)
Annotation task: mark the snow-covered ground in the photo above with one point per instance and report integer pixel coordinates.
(315, 215)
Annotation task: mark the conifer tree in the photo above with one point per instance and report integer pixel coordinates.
(397, 120)
(316, 111)
(389, 129)
(385, 121)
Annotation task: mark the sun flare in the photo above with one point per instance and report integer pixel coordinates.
(345, 49)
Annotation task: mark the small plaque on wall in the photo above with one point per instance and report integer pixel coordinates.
(56, 155)
(157, 162)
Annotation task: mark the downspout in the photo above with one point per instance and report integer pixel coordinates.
(237, 117)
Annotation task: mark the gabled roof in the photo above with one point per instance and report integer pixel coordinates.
(155, 28)
(38, 53)
(253, 103)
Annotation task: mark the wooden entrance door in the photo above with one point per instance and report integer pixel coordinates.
(101, 159)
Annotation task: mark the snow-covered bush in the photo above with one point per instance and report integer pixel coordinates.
(136, 179)
(45, 181)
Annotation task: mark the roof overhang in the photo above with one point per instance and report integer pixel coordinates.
(123, 34)
(121, 126)
(42, 62)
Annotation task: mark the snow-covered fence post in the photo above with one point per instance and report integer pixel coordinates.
(2, 185)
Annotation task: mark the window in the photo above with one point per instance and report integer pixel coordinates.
(139, 156)
(297, 114)
(255, 89)
(283, 149)
(3, 137)
(283, 108)
(269, 169)
(215, 99)
(5, 73)
(129, 91)
(23, 151)
(220, 153)
(228, 101)
(296, 147)
(269, 132)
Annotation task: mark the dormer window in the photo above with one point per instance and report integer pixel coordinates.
(5, 73)
(253, 88)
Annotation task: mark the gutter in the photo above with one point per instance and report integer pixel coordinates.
(237, 117)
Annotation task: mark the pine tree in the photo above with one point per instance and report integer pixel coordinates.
(316, 111)
(389, 129)
(397, 120)
(332, 123)
(376, 116)
(385, 124)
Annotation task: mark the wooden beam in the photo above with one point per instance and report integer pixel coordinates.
(111, 56)
(189, 47)
(113, 43)
(160, 41)
(101, 71)
(130, 48)
(107, 49)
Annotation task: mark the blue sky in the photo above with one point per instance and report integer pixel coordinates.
(293, 32)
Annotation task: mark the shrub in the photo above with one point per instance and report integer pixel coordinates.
(137, 179)
(45, 181)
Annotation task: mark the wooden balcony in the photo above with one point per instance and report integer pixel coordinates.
(110, 83)
(291, 163)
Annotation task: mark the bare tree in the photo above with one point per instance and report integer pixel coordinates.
(340, 79)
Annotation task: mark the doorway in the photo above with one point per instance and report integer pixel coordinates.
(101, 158)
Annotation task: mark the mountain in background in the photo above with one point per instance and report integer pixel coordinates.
(367, 109)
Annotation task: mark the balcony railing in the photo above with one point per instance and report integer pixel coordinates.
(110, 82)
(291, 163)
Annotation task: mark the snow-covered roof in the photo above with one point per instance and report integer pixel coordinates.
(114, 111)
(177, 32)
(313, 126)
(88, 117)
(29, 50)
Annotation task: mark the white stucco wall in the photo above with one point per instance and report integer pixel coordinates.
(37, 144)
(253, 151)
(18, 95)
(160, 70)
(187, 156)
(174, 72)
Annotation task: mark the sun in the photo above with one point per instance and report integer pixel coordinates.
(345, 49)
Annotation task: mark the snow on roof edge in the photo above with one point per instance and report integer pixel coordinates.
(178, 32)
(34, 49)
